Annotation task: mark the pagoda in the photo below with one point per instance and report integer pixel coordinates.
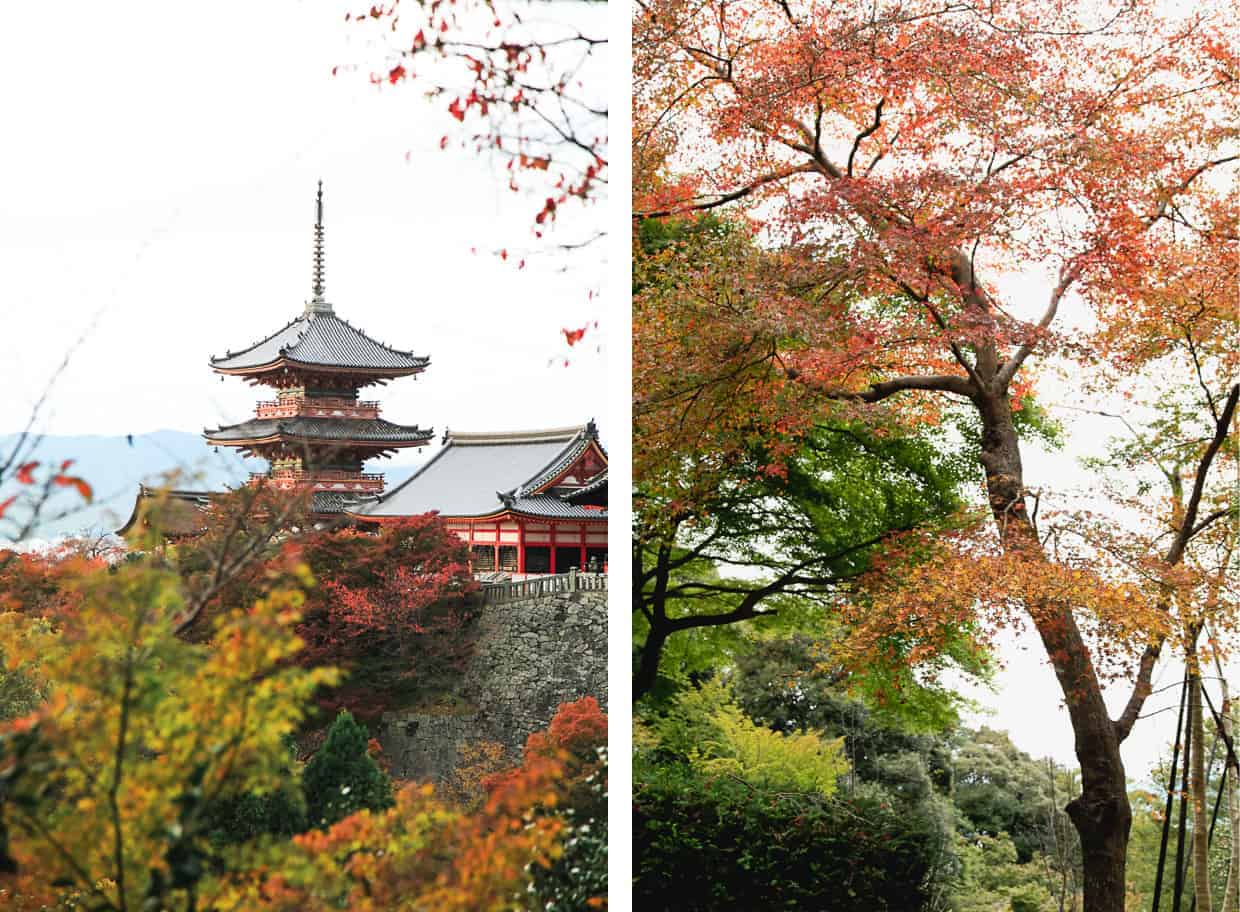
(317, 434)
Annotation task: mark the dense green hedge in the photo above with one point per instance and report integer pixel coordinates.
(705, 844)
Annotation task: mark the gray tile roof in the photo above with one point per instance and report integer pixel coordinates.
(300, 428)
(472, 474)
(322, 339)
(570, 453)
(598, 482)
(331, 502)
(552, 506)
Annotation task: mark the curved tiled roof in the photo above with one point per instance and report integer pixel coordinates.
(331, 502)
(322, 339)
(463, 478)
(552, 506)
(567, 457)
(597, 483)
(365, 429)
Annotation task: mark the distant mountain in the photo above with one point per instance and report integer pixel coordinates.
(115, 466)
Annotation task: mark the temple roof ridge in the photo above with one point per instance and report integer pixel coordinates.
(497, 438)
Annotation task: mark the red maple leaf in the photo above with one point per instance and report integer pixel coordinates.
(25, 472)
(70, 481)
(4, 505)
(573, 336)
(396, 74)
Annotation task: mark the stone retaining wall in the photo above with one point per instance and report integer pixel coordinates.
(531, 656)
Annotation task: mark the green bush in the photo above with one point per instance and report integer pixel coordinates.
(705, 843)
(241, 818)
(342, 777)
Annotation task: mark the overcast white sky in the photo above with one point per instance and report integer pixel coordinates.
(157, 176)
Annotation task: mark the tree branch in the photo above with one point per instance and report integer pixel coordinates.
(1175, 553)
(943, 383)
(878, 116)
(731, 196)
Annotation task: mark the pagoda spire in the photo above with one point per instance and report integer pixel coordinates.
(318, 304)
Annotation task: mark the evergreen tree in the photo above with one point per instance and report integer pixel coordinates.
(342, 777)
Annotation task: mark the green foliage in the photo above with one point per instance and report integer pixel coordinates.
(791, 683)
(1000, 789)
(1148, 807)
(655, 235)
(706, 728)
(581, 872)
(706, 843)
(342, 777)
(20, 692)
(993, 880)
(243, 818)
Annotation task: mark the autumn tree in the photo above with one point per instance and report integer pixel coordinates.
(423, 853)
(740, 501)
(390, 607)
(527, 84)
(109, 782)
(933, 163)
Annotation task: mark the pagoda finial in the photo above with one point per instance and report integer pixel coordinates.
(318, 304)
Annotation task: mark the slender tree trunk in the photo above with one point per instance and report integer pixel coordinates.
(1101, 813)
(1197, 783)
(1231, 893)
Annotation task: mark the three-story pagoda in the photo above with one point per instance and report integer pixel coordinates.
(317, 434)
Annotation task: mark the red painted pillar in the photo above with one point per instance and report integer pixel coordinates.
(551, 548)
(520, 547)
(582, 566)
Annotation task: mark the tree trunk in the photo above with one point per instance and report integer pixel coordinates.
(1197, 785)
(648, 662)
(1101, 813)
(1231, 893)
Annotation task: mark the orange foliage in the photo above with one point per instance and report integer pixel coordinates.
(425, 854)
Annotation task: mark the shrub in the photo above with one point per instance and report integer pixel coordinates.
(705, 842)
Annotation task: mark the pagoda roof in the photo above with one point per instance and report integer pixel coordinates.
(481, 474)
(320, 339)
(331, 501)
(365, 430)
(178, 513)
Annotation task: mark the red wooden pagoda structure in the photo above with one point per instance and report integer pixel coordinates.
(525, 501)
(316, 434)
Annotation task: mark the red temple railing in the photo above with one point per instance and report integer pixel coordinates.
(327, 406)
(325, 479)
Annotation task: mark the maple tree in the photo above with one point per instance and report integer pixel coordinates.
(21, 510)
(108, 782)
(926, 165)
(390, 607)
(525, 81)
